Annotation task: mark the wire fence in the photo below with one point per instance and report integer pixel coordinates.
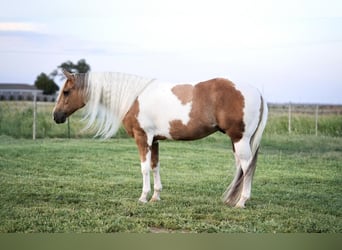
(32, 119)
(306, 118)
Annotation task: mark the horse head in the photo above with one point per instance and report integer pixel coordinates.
(71, 97)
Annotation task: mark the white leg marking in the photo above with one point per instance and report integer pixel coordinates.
(244, 154)
(157, 184)
(247, 184)
(145, 170)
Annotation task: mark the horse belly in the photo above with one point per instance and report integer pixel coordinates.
(191, 131)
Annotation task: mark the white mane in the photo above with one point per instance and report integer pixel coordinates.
(110, 96)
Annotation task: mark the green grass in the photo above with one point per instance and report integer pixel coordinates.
(84, 185)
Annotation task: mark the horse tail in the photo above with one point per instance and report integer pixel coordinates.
(233, 193)
(256, 138)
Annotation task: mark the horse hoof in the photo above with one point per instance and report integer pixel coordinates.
(144, 201)
(155, 199)
(241, 206)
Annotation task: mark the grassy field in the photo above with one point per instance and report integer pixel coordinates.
(85, 185)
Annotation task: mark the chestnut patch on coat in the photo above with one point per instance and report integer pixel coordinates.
(133, 129)
(216, 106)
(183, 92)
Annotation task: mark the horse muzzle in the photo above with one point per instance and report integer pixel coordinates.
(59, 117)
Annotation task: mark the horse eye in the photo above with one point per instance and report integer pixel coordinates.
(66, 92)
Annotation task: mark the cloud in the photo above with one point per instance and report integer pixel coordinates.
(21, 27)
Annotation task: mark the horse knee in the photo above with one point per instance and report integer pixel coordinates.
(146, 165)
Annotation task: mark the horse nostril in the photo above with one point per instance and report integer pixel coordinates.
(59, 117)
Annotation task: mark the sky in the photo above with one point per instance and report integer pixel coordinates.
(291, 50)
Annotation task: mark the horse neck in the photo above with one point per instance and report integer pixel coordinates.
(114, 88)
(110, 95)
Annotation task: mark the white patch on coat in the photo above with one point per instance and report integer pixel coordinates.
(157, 184)
(145, 171)
(251, 110)
(158, 106)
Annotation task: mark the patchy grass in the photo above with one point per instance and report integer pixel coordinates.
(60, 185)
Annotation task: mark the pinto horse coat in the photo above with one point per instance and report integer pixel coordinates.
(151, 111)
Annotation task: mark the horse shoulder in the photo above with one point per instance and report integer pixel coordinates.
(130, 122)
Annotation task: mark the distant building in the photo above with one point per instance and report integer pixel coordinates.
(23, 92)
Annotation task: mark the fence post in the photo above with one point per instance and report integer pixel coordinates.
(68, 128)
(289, 117)
(316, 120)
(34, 116)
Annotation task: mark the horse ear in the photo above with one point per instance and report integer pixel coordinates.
(67, 74)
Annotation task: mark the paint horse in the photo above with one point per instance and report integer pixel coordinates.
(151, 111)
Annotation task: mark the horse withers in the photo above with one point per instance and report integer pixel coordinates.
(151, 111)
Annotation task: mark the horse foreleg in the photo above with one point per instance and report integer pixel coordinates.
(156, 176)
(145, 171)
(149, 156)
(145, 159)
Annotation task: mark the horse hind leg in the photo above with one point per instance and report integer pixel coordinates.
(155, 169)
(157, 184)
(248, 164)
(239, 191)
(248, 178)
(232, 195)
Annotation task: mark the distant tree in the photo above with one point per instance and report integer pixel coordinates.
(45, 83)
(80, 67)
